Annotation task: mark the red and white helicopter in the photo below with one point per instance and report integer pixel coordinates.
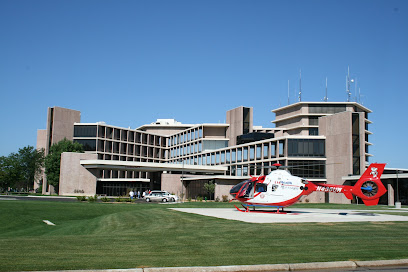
(280, 189)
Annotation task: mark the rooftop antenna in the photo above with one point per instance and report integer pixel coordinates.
(288, 92)
(326, 98)
(348, 81)
(300, 86)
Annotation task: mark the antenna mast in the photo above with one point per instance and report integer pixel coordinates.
(300, 86)
(326, 98)
(288, 92)
(348, 81)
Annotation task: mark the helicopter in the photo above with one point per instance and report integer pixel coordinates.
(280, 189)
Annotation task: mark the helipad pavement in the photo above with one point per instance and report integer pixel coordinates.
(300, 215)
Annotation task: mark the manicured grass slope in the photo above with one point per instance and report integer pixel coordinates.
(103, 236)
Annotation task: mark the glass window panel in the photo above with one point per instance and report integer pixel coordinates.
(258, 152)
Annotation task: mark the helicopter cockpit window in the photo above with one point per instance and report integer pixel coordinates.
(261, 187)
(238, 187)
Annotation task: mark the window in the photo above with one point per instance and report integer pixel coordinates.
(84, 131)
(308, 169)
(313, 121)
(313, 131)
(88, 145)
(329, 109)
(245, 170)
(306, 148)
(239, 170)
(233, 156)
(281, 149)
(266, 151)
(259, 152)
(260, 187)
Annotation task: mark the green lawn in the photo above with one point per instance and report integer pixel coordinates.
(109, 236)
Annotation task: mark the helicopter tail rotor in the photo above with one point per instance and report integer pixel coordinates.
(369, 187)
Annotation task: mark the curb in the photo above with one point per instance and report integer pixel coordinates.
(382, 263)
(260, 267)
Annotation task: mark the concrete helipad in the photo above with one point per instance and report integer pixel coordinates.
(300, 215)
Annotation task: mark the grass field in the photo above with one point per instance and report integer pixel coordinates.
(109, 236)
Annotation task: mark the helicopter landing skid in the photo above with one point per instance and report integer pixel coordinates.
(246, 209)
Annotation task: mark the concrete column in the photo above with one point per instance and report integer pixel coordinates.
(390, 195)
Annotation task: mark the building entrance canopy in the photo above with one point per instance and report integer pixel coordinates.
(151, 166)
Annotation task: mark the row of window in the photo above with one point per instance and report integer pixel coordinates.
(185, 136)
(122, 148)
(93, 131)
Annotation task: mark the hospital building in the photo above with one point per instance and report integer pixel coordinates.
(320, 141)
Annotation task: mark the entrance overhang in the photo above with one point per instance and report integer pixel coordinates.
(151, 166)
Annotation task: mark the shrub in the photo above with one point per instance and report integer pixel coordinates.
(92, 198)
(224, 198)
(81, 198)
(199, 198)
(217, 199)
(118, 199)
(105, 199)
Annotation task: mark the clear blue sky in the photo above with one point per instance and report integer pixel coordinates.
(130, 62)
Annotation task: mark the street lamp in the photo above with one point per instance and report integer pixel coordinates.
(397, 203)
(182, 181)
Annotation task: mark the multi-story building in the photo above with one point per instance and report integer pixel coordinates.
(322, 141)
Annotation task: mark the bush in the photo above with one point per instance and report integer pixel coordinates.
(217, 199)
(92, 198)
(105, 199)
(199, 198)
(81, 198)
(224, 198)
(118, 199)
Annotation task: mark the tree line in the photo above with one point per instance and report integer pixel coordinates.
(19, 171)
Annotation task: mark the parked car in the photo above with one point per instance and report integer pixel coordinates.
(162, 196)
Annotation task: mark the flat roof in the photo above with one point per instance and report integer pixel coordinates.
(322, 103)
(150, 166)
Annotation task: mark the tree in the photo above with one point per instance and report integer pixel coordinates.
(210, 188)
(20, 169)
(31, 161)
(53, 160)
(9, 171)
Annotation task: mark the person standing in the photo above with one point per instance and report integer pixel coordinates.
(131, 194)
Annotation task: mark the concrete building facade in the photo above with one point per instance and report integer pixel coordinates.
(326, 141)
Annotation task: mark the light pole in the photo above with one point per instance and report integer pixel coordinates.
(397, 203)
(182, 181)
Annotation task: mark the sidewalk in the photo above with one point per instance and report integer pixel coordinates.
(365, 265)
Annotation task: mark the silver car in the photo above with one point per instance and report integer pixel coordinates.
(161, 196)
